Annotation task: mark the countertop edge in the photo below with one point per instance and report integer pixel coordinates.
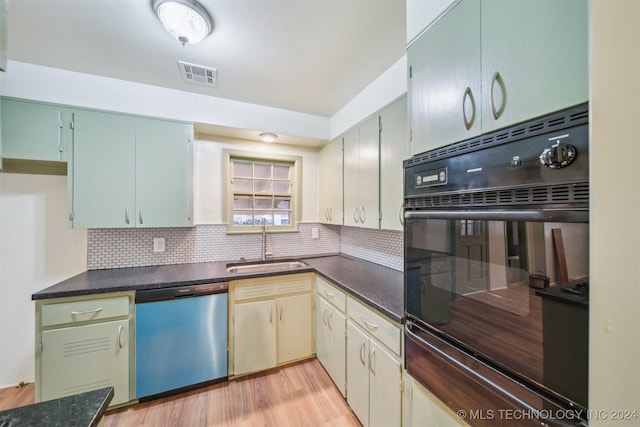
(221, 275)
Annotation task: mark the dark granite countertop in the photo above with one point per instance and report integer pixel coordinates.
(377, 286)
(80, 410)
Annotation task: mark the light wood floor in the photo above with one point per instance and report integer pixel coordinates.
(301, 394)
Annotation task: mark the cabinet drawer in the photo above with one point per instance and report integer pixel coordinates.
(82, 311)
(264, 287)
(332, 294)
(375, 324)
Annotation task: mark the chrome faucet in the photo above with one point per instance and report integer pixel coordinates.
(265, 254)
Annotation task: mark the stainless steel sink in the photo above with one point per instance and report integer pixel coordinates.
(266, 267)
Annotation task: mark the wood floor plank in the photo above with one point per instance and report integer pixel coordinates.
(297, 395)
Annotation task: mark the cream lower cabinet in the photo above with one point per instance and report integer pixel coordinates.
(83, 345)
(271, 322)
(331, 331)
(420, 408)
(374, 367)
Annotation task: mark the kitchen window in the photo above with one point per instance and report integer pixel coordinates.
(262, 188)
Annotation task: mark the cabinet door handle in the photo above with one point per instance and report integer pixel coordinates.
(362, 215)
(468, 94)
(496, 113)
(355, 214)
(80, 313)
(126, 214)
(271, 313)
(331, 214)
(140, 214)
(120, 329)
(401, 214)
(372, 361)
(362, 348)
(369, 325)
(324, 317)
(329, 320)
(281, 311)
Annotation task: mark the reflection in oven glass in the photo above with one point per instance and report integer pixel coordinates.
(493, 287)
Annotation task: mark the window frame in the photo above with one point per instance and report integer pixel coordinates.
(295, 163)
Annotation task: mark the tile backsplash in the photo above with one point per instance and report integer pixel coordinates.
(116, 248)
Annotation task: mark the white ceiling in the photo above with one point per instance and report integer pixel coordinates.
(309, 56)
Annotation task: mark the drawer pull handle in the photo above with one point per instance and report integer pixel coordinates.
(328, 294)
(369, 325)
(81, 313)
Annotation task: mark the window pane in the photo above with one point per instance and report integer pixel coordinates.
(262, 171)
(242, 186)
(267, 215)
(264, 203)
(283, 203)
(242, 169)
(242, 218)
(281, 187)
(242, 202)
(281, 172)
(282, 218)
(262, 186)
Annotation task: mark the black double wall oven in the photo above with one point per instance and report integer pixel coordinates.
(496, 272)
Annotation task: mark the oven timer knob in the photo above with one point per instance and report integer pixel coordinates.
(558, 156)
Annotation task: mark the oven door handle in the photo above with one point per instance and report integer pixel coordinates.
(556, 215)
(452, 360)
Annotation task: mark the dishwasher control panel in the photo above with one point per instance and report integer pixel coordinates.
(173, 292)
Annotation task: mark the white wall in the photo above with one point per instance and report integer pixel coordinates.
(36, 251)
(391, 85)
(614, 347)
(420, 13)
(84, 90)
(210, 174)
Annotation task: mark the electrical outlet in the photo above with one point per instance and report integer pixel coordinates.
(315, 233)
(158, 244)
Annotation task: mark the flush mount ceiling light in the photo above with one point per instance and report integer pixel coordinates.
(268, 137)
(184, 20)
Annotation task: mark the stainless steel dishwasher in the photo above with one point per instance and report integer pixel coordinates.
(181, 338)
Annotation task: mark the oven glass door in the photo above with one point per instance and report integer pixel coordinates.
(514, 293)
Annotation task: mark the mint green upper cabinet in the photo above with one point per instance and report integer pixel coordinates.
(34, 131)
(130, 172)
(361, 174)
(330, 175)
(394, 148)
(490, 64)
(103, 170)
(164, 159)
(444, 83)
(534, 59)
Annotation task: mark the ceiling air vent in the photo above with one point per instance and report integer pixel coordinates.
(198, 74)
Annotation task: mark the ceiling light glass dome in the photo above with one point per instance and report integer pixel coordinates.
(184, 20)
